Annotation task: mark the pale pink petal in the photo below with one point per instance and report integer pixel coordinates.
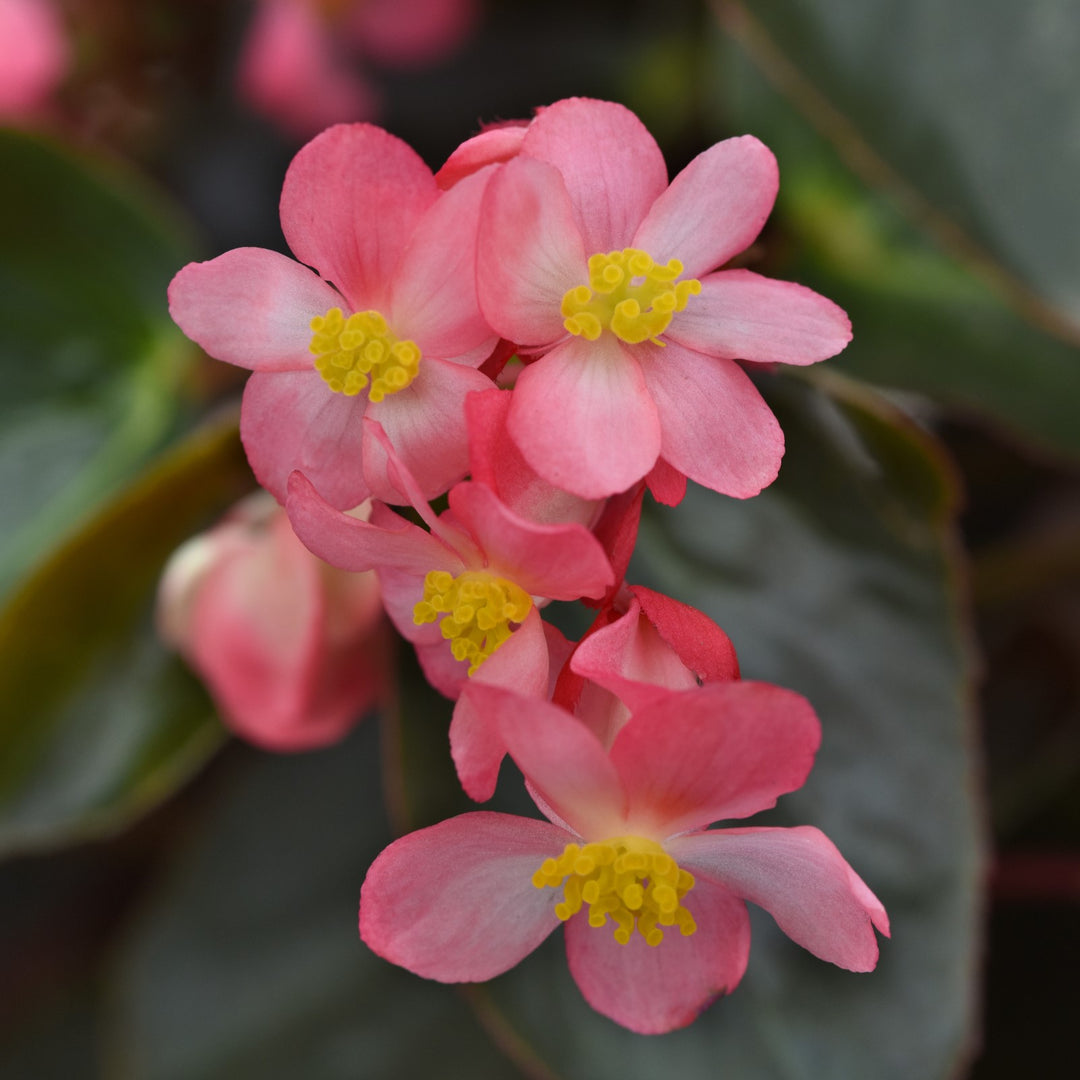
(529, 253)
(291, 70)
(583, 418)
(724, 750)
(425, 424)
(493, 146)
(34, 55)
(799, 877)
(715, 427)
(292, 420)
(655, 989)
(351, 199)
(560, 758)
(456, 902)
(559, 562)
(252, 308)
(519, 664)
(699, 642)
(433, 299)
(350, 544)
(611, 165)
(715, 207)
(410, 31)
(740, 315)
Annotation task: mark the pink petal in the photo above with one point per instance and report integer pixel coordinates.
(252, 308)
(699, 642)
(519, 664)
(714, 208)
(351, 199)
(291, 420)
(800, 878)
(740, 315)
(425, 424)
(433, 299)
(456, 902)
(559, 562)
(611, 165)
(716, 428)
(666, 484)
(34, 55)
(583, 418)
(724, 750)
(617, 531)
(493, 146)
(655, 989)
(411, 32)
(560, 758)
(355, 545)
(529, 253)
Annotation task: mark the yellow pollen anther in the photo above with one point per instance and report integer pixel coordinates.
(352, 352)
(476, 609)
(630, 878)
(628, 294)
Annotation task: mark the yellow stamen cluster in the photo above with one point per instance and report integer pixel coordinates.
(629, 294)
(630, 878)
(476, 609)
(350, 350)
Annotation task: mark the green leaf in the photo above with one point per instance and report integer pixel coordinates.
(100, 720)
(923, 321)
(90, 361)
(839, 582)
(969, 111)
(248, 965)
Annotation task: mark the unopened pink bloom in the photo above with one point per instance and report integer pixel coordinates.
(34, 56)
(293, 651)
(465, 900)
(298, 66)
(589, 260)
(393, 256)
(478, 543)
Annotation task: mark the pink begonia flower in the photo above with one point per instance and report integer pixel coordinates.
(293, 651)
(34, 56)
(465, 593)
(627, 838)
(388, 327)
(589, 260)
(297, 64)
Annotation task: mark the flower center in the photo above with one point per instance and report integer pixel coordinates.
(630, 878)
(350, 352)
(628, 294)
(476, 609)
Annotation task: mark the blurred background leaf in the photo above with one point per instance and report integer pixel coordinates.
(92, 365)
(100, 719)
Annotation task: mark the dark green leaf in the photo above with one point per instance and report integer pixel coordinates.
(249, 965)
(100, 720)
(839, 582)
(91, 363)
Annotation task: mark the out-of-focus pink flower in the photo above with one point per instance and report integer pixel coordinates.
(388, 326)
(34, 56)
(293, 651)
(627, 839)
(298, 65)
(591, 262)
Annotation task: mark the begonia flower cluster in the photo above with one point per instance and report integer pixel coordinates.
(463, 388)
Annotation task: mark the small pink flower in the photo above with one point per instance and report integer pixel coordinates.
(298, 63)
(293, 651)
(388, 328)
(34, 56)
(627, 840)
(464, 593)
(590, 261)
